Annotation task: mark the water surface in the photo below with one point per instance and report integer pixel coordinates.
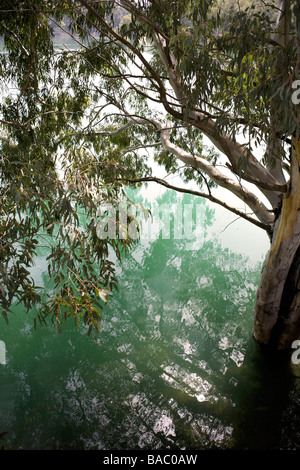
(174, 366)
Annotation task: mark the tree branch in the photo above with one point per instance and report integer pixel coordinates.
(216, 175)
(232, 150)
(122, 41)
(204, 195)
(259, 209)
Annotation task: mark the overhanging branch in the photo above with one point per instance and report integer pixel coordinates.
(213, 199)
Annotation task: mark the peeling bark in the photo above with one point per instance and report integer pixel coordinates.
(277, 315)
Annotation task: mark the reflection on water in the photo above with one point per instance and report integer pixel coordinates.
(174, 366)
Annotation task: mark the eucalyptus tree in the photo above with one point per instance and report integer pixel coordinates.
(162, 77)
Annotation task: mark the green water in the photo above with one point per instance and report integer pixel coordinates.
(174, 366)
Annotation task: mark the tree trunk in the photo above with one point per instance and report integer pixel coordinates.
(277, 311)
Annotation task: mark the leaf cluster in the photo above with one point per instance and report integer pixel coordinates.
(54, 181)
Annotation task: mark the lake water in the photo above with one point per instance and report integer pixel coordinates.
(174, 366)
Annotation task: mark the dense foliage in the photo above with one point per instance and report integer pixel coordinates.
(45, 211)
